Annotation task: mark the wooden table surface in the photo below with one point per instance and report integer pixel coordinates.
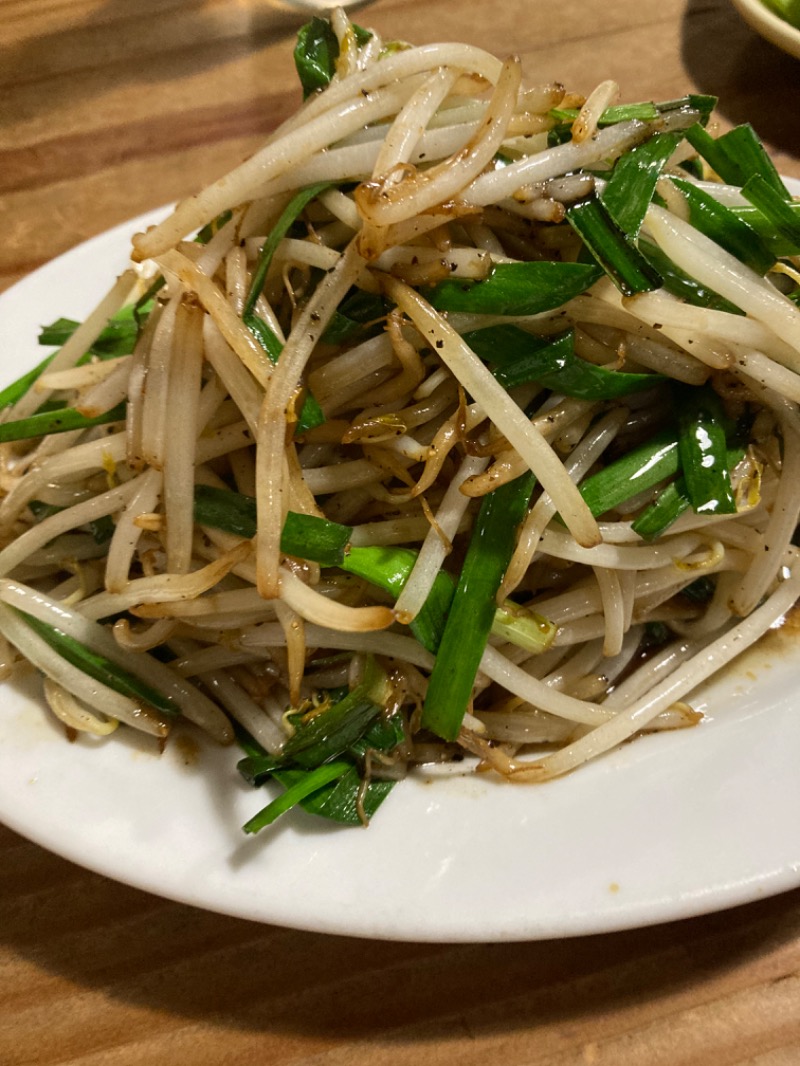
(111, 107)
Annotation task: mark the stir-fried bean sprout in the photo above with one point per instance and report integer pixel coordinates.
(459, 420)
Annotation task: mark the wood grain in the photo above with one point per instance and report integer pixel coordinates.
(95, 972)
(109, 108)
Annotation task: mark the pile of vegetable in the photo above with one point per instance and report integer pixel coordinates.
(458, 423)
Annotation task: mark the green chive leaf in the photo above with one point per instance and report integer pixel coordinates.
(290, 213)
(703, 451)
(99, 667)
(630, 188)
(316, 52)
(305, 786)
(516, 289)
(640, 469)
(60, 420)
(775, 208)
(724, 227)
(736, 156)
(517, 356)
(473, 608)
(613, 249)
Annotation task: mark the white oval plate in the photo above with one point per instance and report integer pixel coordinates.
(667, 827)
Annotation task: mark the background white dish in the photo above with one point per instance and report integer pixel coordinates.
(669, 826)
(770, 25)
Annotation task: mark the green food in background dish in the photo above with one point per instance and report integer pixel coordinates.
(789, 10)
